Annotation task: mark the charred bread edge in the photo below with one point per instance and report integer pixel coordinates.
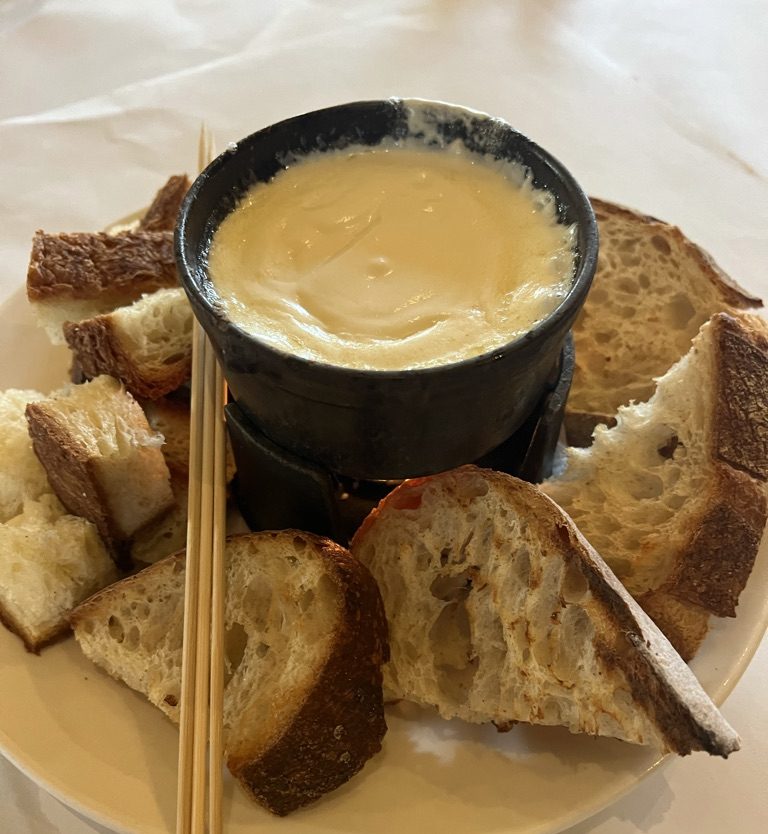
(581, 424)
(735, 511)
(723, 545)
(657, 675)
(91, 265)
(741, 393)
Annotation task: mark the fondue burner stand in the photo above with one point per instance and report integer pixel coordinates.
(276, 489)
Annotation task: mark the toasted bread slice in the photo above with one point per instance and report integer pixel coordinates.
(162, 212)
(102, 459)
(147, 346)
(49, 562)
(80, 275)
(673, 496)
(306, 638)
(653, 290)
(499, 610)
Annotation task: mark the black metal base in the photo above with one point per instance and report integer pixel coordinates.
(276, 489)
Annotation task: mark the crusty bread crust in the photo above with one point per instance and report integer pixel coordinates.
(341, 722)
(85, 265)
(684, 624)
(660, 681)
(162, 212)
(98, 349)
(662, 686)
(741, 393)
(713, 568)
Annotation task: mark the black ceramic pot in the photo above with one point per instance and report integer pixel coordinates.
(380, 424)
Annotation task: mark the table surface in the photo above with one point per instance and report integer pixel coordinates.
(659, 105)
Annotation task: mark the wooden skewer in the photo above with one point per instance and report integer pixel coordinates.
(201, 727)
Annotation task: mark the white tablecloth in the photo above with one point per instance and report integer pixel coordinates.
(659, 105)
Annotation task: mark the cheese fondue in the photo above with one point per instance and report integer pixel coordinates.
(390, 258)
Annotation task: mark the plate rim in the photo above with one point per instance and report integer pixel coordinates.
(90, 808)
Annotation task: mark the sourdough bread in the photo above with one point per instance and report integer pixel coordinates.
(147, 345)
(673, 496)
(652, 291)
(80, 275)
(72, 277)
(499, 610)
(102, 459)
(306, 638)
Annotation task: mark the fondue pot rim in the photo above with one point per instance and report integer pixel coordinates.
(199, 288)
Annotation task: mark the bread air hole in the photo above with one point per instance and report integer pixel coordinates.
(257, 601)
(451, 588)
(131, 641)
(678, 312)
(667, 449)
(451, 643)
(235, 644)
(627, 285)
(574, 586)
(645, 486)
(661, 245)
(115, 629)
(523, 566)
(576, 633)
(306, 599)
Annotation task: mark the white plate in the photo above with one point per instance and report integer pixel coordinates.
(103, 750)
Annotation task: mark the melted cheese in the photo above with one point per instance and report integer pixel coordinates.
(391, 258)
